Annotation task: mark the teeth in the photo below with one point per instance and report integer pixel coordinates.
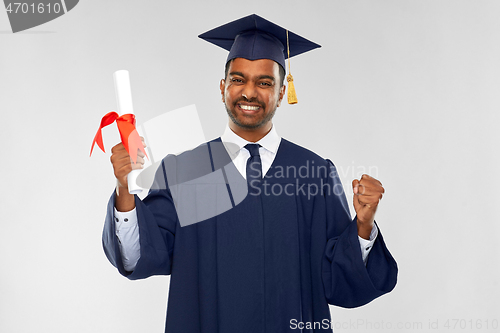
(249, 108)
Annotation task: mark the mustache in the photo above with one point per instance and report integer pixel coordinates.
(251, 100)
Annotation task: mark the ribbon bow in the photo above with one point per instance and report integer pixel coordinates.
(126, 126)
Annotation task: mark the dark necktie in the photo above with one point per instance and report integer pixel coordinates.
(254, 169)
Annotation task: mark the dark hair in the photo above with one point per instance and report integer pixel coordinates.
(281, 69)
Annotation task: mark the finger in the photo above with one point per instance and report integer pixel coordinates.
(370, 182)
(367, 181)
(137, 166)
(370, 199)
(120, 158)
(371, 185)
(141, 153)
(139, 160)
(127, 165)
(124, 164)
(357, 205)
(117, 148)
(124, 155)
(355, 185)
(368, 191)
(122, 172)
(363, 190)
(370, 179)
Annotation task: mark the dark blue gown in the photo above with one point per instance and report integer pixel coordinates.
(269, 261)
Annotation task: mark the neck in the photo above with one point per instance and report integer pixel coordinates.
(251, 134)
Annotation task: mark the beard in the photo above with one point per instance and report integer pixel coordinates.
(250, 122)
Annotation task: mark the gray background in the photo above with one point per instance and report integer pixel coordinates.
(408, 88)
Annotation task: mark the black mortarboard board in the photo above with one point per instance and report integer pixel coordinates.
(253, 37)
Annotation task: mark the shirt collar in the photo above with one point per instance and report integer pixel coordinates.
(270, 142)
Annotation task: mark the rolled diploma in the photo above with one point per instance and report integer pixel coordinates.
(125, 106)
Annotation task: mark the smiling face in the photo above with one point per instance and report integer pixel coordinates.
(251, 93)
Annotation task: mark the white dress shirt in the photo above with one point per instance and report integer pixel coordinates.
(127, 229)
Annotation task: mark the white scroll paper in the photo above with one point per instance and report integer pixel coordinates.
(125, 106)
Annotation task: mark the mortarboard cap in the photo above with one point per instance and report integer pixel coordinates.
(253, 37)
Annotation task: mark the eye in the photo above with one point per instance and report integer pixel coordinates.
(265, 84)
(236, 80)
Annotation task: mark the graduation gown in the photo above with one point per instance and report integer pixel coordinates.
(265, 263)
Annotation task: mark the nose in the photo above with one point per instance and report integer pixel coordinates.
(249, 91)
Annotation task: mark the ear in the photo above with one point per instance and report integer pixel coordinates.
(282, 94)
(222, 88)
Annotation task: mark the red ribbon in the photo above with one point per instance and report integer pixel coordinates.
(126, 126)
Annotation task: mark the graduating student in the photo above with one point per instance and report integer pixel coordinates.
(254, 230)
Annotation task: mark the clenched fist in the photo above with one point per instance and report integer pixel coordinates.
(368, 192)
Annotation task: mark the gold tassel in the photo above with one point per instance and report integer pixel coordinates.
(292, 96)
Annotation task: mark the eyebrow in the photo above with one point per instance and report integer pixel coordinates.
(237, 73)
(266, 77)
(258, 78)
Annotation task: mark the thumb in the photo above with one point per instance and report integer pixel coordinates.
(355, 189)
(355, 184)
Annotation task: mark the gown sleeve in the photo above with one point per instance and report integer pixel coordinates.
(157, 220)
(346, 280)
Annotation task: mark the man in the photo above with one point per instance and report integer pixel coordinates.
(274, 260)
